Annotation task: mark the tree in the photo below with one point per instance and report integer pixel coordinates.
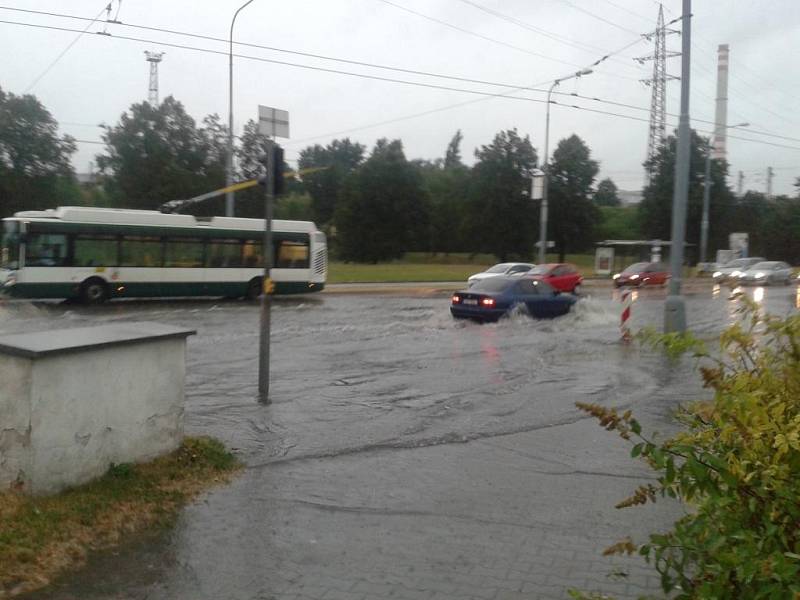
(501, 219)
(156, 154)
(606, 194)
(781, 226)
(452, 158)
(337, 160)
(656, 206)
(618, 223)
(573, 216)
(35, 172)
(381, 206)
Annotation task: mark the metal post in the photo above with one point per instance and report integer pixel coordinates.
(706, 203)
(675, 306)
(546, 169)
(266, 291)
(229, 212)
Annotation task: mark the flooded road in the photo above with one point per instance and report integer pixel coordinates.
(405, 454)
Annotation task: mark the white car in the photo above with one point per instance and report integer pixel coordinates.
(766, 273)
(733, 269)
(500, 269)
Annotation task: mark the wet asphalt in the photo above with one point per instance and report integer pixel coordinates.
(405, 454)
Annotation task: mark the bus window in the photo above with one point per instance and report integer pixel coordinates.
(46, 250)
(9, 245)
(140, 251)
(94, 251)
(292, 255)
(184, 253)
(252, 254)
(224, 253)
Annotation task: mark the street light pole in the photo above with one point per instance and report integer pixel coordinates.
(546, 168)
(229, 153)
(707, 197)
(675, 306)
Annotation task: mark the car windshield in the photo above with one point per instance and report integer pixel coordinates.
(540, 270)
(9, 245)
(738, 263)
(501, 268)
(493, 284)
(636, 267)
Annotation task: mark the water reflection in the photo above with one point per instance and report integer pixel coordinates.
(716, 290)
(758, 295)
(797, 297)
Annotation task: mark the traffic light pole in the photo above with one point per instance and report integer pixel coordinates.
(267, 285)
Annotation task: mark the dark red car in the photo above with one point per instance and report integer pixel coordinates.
(643, 273)
(561, 276)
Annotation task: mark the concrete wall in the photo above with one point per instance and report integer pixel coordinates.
(64, 418)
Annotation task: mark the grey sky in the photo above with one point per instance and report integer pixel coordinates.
(101, 76)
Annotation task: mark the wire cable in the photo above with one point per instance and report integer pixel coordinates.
(47, 69)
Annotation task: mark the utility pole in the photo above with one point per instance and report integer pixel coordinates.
(153, 58)
(675, 306)
(740, 184)
(770, 176)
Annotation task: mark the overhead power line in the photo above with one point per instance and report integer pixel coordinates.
(61, 54)
(484, 95)
(485, 37)
(286, 51)
(599, 18)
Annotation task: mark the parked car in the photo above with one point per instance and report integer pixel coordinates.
(731, 270)
(562, 277)
(513, 268)
(642, 273)
(767, 273)
(490, 299)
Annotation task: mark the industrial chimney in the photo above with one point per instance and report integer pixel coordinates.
(721, 113)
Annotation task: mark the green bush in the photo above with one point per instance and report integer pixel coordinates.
(736, 466)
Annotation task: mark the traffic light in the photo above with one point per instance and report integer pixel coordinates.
(278, 165)
(277, 170)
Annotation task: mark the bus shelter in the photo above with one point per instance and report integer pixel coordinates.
(612, 256)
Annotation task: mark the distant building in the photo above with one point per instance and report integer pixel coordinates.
(86, 178)
(629, 197)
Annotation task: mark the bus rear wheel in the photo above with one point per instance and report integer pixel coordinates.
(253, 289)
(94, 291)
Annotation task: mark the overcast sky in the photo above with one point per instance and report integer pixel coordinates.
(100, 76)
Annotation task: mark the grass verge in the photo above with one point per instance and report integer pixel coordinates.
(41, 537)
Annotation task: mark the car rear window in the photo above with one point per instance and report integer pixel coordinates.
(493, 284)
(540, 270)
(501, 268)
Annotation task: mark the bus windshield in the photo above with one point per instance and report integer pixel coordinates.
(9, 245)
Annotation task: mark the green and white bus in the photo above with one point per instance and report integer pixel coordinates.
(95, 254)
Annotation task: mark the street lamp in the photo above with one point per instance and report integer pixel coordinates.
(707, 196)
(229, 157)
(546, 168)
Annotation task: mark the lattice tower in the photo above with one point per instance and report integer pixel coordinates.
(153, 58)
(657, 131)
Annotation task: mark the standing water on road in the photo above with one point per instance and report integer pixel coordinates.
(405, 453)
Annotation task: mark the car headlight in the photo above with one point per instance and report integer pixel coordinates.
(616, 276)
(717, 274)
(737, 274)
(759, 275)
(634, 277)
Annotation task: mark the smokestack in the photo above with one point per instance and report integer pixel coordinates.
(721, 113)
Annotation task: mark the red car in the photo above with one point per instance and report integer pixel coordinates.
(643, 273)
(561, 276)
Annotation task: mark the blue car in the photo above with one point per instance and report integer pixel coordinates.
(490, 299)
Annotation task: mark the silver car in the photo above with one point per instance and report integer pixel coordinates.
(767, 273)
(500, 269)
(733, 269)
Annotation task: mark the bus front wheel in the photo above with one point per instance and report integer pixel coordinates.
(253, 289)
(94, 291)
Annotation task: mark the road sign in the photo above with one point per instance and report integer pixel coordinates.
(273, 122)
